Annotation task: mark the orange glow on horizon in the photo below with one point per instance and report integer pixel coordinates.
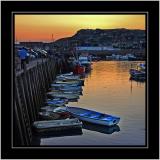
(41, 27)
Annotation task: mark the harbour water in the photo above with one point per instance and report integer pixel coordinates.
(108, 89)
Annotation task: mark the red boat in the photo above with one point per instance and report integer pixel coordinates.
(78, 69)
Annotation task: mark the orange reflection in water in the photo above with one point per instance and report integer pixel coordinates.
(108, 88)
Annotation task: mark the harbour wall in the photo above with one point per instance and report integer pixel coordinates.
(30, 87)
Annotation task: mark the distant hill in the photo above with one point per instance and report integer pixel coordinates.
(104, 37)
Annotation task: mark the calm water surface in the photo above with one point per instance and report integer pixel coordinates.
(108, 89)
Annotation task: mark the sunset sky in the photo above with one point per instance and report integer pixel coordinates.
(41, 27)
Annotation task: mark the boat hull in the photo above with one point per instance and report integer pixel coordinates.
(107, 120)
(95, 121)
(56, 125)
(69, 97)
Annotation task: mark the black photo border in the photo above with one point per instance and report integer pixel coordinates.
(152, 8)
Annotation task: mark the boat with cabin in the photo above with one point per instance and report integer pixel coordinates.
(138, 73)
(85, 61)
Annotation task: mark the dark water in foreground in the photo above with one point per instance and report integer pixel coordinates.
(108, 89)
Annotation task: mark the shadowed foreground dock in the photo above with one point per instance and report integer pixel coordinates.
(31, 85)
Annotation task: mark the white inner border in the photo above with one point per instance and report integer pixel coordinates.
(79, 13)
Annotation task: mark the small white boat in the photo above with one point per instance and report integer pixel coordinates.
(57, 125)
(93, 116)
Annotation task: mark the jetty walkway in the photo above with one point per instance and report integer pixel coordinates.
(30, 65)
(31, 85)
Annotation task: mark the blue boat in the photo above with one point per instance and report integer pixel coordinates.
(78, 88)
(64, 85)
(93, 116)
(56, 102)
(137, 74)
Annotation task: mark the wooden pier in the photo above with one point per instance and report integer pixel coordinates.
(30, 87)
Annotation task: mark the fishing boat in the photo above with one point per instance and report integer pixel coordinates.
(93, 116)
(57, 125)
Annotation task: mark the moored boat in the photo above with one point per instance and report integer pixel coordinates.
(142, 66)
(78, 83)
(135, 73)
(66, 92)
(54, 125)
(138, 73)
(76, 77)
(68, 96)
(86, 62)
(48, 115)
(67, 74)
(72, 81)
(50, 109)
(56, 102)
(78, 88)
(64, 85)
(79, 69)
(93, 116)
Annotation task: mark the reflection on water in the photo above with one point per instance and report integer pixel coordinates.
(101, 128)
(71, 132)
(108, 89)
